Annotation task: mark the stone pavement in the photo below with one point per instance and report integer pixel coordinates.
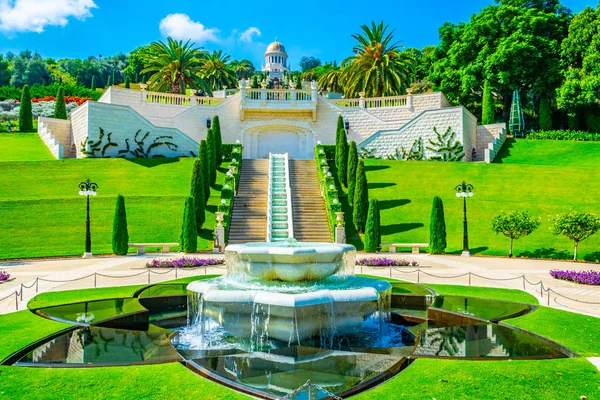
(130, 270)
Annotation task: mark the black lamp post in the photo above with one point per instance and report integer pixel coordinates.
(465, 190)
(87, 189)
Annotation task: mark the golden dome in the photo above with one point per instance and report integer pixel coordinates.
(276, 47)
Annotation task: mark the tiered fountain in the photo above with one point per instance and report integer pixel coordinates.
(288, 292)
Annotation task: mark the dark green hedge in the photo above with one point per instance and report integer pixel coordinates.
(332, 199)
(580, 136)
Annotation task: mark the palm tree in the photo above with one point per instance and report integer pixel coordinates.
(174, 65)
(330, 81)
(378, 67)
(217, 71)
(244, 69)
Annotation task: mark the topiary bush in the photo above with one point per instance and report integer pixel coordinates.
(437, 228)
(120, 235)
(227, 193)
(352, 164)
(361, 198)
(197, 192)
(25, 115)
(373, 228)
(60, 108)
(205, 163)
(330, 192)
(341, 152)
(545, 114)
(93, 84)
(189, 231)
(580, 136)
(212, 156)
(488, 112)
(127, 85)
(216, 126)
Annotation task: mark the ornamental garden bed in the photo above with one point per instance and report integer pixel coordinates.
(184, 262)
(583, 277)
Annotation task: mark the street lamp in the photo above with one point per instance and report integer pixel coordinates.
(87, 189)
(465, 190)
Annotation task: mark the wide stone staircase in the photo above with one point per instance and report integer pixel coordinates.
(310, 214)
(249, 215)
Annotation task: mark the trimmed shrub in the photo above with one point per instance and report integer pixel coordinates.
(127, 84)
(254, 83)
(437, 227)
(361, 198)
(373, 228)
(488, 111)
(114, 78)
(60, 108)
(579, 136)
(197, 192)
(212, 156)
(93, 84)
(330, 192)
(341, 152)
(189, 231)
(352, 164)
(120, 236)
(204, 162)
(25, 115)
(299, 84)
(216, 126)
(545, 114)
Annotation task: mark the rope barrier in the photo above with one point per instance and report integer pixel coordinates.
(66, 281)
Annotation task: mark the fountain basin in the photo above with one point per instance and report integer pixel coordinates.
(291, 261)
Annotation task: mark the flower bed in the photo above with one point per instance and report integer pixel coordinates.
(583, 277)
(4, 276)
(184, 262)
(386, 262)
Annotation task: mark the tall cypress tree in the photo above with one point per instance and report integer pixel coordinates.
(212, 156)
(127, 84)
(189, 231)
(205, 163)
(341, 152)
(109, 83)
(114, 78)
(488, 112)
(352, 164)
(120, 236)
(437, 227)
(25, 114)
(60, 108)
(361, 198)
(545, 113)
(93, 84)
(216, 126)
(197, 192)
(254, 82)
(373, 228)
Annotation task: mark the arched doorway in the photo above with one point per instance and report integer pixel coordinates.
(295, 138)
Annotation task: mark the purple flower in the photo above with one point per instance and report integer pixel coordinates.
(386, 262)
(4, 276)
(184, 262)
(583, 277)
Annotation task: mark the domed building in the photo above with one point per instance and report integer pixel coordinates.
(276, 62)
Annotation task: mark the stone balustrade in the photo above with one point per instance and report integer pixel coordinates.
(179, 99)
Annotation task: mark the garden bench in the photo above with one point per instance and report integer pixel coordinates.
(141, 247)
(415, 246)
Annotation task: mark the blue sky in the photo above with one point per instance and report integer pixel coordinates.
(79, 28)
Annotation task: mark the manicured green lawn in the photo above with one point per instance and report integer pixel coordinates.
(454, 379)
(580, 333)
(43, 215)
(549, 152)
(23, 147)
(405, 191)
(514, 295)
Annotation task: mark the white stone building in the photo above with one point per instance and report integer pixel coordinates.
(133, 123)
(276, 62)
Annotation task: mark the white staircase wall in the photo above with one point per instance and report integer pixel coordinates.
(56, 134)
(490, 139)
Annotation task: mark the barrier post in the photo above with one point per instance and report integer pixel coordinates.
(95, 279)
(418, 276)
(549, 297)
(37, 280)
(541, 289)
(523, 276)
(21, 292)
(175, 272)
(390, 271)
(469, 278)
(16, 300)
(148, 277)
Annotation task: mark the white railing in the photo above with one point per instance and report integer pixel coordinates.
(279, 95)
(346, 103)
(270, 199)
(181, 100)
(379, 102)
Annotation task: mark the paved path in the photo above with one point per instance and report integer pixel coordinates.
(131, 270)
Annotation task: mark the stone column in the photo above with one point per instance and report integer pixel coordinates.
(409, 100)
(340, 231)
(242, 87)
(192, 100)
(313, 87)
(361, 101)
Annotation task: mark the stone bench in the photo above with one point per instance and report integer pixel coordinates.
(414, 246)
(141, 247)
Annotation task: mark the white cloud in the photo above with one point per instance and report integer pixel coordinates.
(35, 15)
(181, 27)
(247, 35)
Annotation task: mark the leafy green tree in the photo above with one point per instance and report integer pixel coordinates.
(212, 156)
(378, 66)
(4, 72)
(120, 236)
(60, 107)
(373, 228)
(352, 165)
(189, 231)
(173, 62)
(127, 84)
(308, 63)
(437, 227)
(361, 198)
(515, 225)
(93, 85)
(205, 162)
(197, 192)
(254, 82)
(243, 68)
(216, 126)
(25, 114)
(298, 83)
(545, 114)
(488, 114)
(577, 226)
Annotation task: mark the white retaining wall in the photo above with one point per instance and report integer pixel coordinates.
(56, 134)
(490, 139)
